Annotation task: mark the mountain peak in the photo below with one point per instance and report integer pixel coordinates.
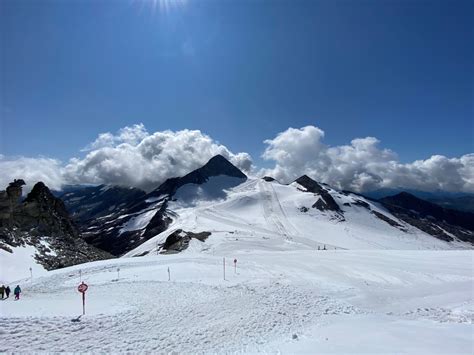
(309, 184)
(218, 165)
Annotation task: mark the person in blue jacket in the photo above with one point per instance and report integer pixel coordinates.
(17, 292)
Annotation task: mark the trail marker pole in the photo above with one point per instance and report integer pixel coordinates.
(235, 266)
(82, 288)
(80, 275)
(223, 263)
(118, 273)
(31, 273)
(169, 275)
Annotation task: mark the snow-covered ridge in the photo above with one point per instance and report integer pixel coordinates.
(264, 215)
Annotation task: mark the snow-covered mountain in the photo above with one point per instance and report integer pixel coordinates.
(217, 208)
(220, 201)
(127, 227)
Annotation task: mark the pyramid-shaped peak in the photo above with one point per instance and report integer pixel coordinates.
(218, 165)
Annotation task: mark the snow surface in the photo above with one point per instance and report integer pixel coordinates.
(377, 289)
(275, 302)
(137, 222)
(16, 265)
(267, 216)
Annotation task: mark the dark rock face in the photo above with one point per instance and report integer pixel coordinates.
(108, 233)
(89, 202)
(179, 241)
(388, 220)
(325, 202)
(42, 221)
(431, 218)
(268, 178)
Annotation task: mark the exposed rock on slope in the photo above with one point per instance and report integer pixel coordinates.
(88, 202)
(179, 241)
(42, 221)
(442, 223)
(325, 201)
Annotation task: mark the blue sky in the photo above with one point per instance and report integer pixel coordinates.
(401, 71)
(241, 72)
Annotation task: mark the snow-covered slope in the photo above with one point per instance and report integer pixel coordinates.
(301, 301)
(263, 215)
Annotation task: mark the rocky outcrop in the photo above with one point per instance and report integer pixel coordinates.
(325, 201)
(9, 200)
(179, 241)
(43, 222)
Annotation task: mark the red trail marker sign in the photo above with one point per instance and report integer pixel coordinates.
(82, 288)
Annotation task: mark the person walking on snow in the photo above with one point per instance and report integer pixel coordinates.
(2, 291)
(7, 291)
(17, 292)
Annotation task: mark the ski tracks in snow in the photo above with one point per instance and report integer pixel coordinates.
(274, 213)
(180, 317)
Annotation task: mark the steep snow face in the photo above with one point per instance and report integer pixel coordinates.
(270, 216)
(302, 301)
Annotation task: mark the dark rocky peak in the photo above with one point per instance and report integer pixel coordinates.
(217, 165)
(309, 184)
(40, 192)
(268, 178)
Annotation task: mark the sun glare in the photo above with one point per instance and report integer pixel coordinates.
(166, 5)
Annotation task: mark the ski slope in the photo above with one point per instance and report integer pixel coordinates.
(376, 289)
(335, 301)
(267, 216)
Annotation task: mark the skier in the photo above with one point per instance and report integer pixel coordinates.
(7, 291)
(17, 292)
(2, 291)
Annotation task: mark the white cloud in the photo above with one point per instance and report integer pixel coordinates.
(31, 170)
(135, 157)
(362, 165)
(131, 157)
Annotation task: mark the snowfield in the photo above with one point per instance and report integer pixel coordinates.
(376, 289)
(293, 301)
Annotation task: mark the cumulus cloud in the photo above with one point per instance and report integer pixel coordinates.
(131, 157)
(31, 170)
(135, 157)
(362, 165)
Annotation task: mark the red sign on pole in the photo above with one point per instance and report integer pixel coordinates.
(82, 288)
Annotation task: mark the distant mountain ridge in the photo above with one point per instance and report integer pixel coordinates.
(217, 202)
